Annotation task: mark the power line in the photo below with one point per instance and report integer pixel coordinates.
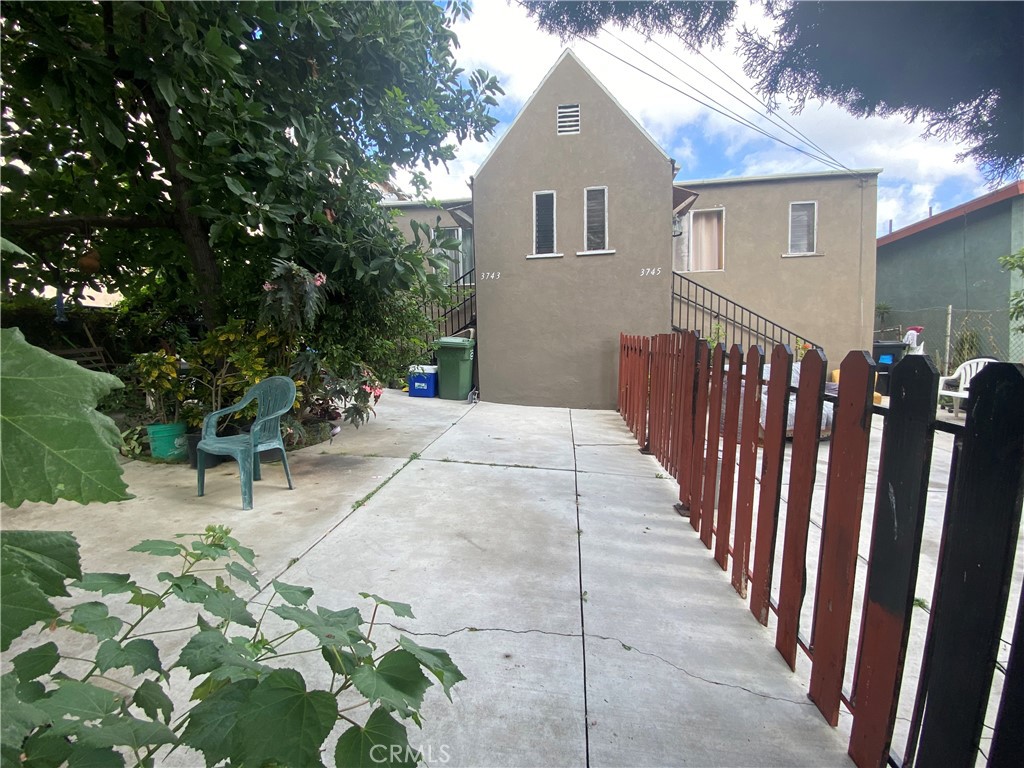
(746, 123)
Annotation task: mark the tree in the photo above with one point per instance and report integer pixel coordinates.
(190, 144)
(957, 65)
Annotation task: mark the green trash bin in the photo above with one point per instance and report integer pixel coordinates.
(454, 367)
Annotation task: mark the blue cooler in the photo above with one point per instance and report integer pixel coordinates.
(423, 381)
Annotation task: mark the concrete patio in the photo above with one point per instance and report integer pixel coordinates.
(538, 547)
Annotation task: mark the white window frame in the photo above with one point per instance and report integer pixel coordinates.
(606, 251)
(688, 235)
(554, 227)
(815, 251)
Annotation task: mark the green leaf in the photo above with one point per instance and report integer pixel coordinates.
(236, 186)
(166, 89)
(140, 654)
(114, 134)
(284, 723)
(230, 606)
(403, 610)
(382, 742)
(36, 662)
(159, 548)
(94, 618)
(329, 627)
(128, 732)
(151, 699)
(189, 588)
(105, 583)
(213, 723)
(293, 595)
(23, 604)
(46, 748)
(6, 246)
(49, 558)
(437, 661)
(53, 442)
(397, 682)
(208, 651)
(81, 701)
(242, 573)
(94, 757)
(18, 721)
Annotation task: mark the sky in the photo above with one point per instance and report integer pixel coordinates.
(917, 173)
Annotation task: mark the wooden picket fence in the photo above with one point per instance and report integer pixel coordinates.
(698, 410)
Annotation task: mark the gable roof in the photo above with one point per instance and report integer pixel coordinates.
(977, 204)
(569, 54)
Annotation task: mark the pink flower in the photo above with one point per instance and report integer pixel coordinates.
(319, 279)
(367, 388)
(269, 286)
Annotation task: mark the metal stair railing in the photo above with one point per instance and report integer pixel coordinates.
(719, 319)
(461, 313)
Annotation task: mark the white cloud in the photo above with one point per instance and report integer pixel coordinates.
(917, 172)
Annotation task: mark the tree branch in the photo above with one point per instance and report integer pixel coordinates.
(75, 223)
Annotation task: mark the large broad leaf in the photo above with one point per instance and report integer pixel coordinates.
(53, 442)
(437, 661)
(284, 723)
(34, 565)
(397, 682)
(18, 721)
(381, 743)
(213, 723)
(140, 654)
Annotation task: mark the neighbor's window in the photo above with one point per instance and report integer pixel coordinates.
(802, 227)
(595, 217)
(701, 246)
(461, 258)
(543, 222)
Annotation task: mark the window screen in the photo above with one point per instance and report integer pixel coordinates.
(801, 227)
(595, 214)
(543, 222)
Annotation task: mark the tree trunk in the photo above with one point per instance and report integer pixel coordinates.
(192, 228)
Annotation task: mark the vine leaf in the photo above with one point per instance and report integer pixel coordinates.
(292, 594)
(402, 610)
(437, 661)
(36, 662)
(283, 722)
(397, 682)
(381, 742)
(151, 699)
(140, 654)
(213, 722)
(53, 443)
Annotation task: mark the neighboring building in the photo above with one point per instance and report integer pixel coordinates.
(572, 221)
(944, 272)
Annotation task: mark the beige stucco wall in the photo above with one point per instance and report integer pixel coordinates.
(548, 329)
(830, 298)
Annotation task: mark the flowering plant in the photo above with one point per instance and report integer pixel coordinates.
(293, 296)
(350, 399)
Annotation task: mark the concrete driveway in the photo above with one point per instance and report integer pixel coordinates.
(538, 547)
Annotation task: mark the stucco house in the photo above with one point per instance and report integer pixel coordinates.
(944, 271)
(577, 232)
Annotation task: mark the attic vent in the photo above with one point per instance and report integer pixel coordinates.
(568, 118)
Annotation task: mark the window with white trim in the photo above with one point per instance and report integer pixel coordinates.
(595, 218)
(460, 258)
(701, 245)
(568, 119)
(544, 223)
(803, 227)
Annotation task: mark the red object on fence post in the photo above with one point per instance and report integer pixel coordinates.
(730, 437)
(894, 556)
(776, 412)
(685, 404)
(748, 466)
(802, 469)
(700, 421)
(710, 495)
(844, 499)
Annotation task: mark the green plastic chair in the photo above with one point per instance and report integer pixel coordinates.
(274, 397)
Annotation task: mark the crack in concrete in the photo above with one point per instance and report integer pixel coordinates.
(625, 646)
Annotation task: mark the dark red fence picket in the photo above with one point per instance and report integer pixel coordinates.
(709, 416)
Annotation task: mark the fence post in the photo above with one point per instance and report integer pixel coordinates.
(1008, 736)
(802, 469)
(749, 427)
(900, 504)
(776, 412)
(685, 405)
(976, 566)
(729, 439)
(710, 496)
(844, 499)
(700, 420)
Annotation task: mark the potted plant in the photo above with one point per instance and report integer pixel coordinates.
(157, 373)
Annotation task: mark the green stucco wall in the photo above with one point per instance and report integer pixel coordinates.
(954, 263)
